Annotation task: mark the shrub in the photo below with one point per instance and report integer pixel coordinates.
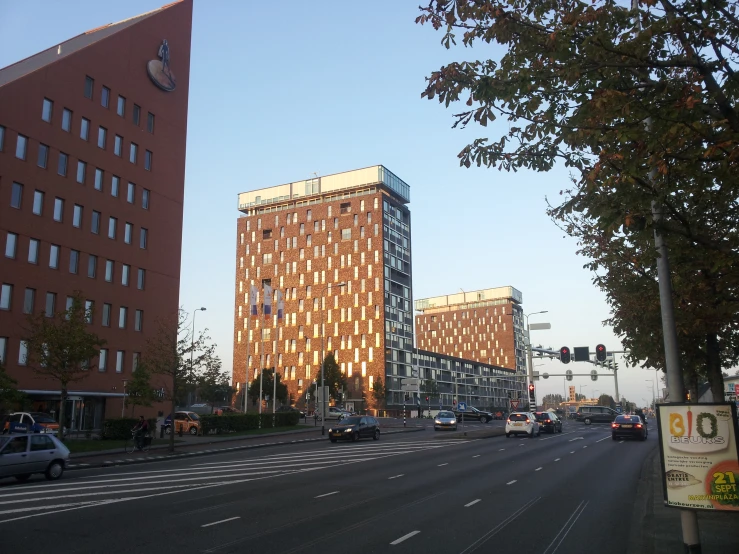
(119, 428)
(234, 423)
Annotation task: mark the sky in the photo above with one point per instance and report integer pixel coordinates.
(280, 90)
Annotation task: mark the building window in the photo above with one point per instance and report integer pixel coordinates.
(102, 137)
(92, 266)
(61, 167)
(89, 307)
(145, 199)
(6, 295)
(77, 216)
(29, 301)
(99, 176)
(118, 146)
(85, 129)
(139, 321)
(141, 279)
(81, 171)
(89, 85)
(22, 353)
(46, 110)
(135, 364)
(16, 196)
(150, 122)
(346, 234)
(136, 114)
(54, 256)
(121, 108)
(33, 245)
(11, 243)
(131, 194)
(115, 184)
(128, 233)
(107, 309)
(58, 209)
(125, 274)
(133, 153)
(143, 238)
(103, 360)
(147, 160)
(67, 120)
(3, 349)
(74, 261)
(43, 155)
(2, 137)
(105, 97)
(112, 224)
(38, 202)
(95, 223)
(20, 147)
(109, 270)
(50, 304)
(119, 356)
(122, 316)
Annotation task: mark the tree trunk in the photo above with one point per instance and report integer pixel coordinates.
(174, 407)
(690, 380)
(713, 367)
(62, 406)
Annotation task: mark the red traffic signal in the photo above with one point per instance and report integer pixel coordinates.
(531, 387)
(565, 355)
(427, 399)
(600, 353)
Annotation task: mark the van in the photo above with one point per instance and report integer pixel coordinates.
(595, 414)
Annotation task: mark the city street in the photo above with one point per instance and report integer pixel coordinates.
(419, 490)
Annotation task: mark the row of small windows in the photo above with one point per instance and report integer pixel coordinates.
(16, 201)
(103, 356)
(292, 218)
(105, 103)
(12, 243)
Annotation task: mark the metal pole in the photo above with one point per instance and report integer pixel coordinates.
(615, 379)
(123, 407)
(323, 363)
(275, 341)
(404, 408)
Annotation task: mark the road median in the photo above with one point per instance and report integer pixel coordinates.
(471, 434)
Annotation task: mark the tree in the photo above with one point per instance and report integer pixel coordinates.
(168, 353)
(139, 390)
(268, 387)
(552, 401)
(332, 376)
(214, 385)
(579, 397)
(379, 392)
(9, 393)
(606, 400)
(577, 82)
(430, 387)
(62, 348)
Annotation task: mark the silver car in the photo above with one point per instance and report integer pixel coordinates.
(445, 420)
(23, 455)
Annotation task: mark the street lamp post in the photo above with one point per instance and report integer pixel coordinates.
(323, 362)
(654, 400)
(192, 345)
(581, 386)
(123, 408)
(529, 355)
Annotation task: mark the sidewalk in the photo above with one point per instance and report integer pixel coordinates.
(201, 446)
(656, 528)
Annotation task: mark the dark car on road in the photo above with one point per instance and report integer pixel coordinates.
(473, 414)
(628, 426)
(595, 414)
(549, 422)
(355, 427)
(282, 409)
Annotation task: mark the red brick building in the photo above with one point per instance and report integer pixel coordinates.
(92, 167)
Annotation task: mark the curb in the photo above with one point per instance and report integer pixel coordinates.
(641, 536)
(176, 456)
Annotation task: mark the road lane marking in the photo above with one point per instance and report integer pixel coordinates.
(510, 482)
(473, 503)
(222, 521)
(577, 439)
(538, 469)
(620, 442)
(395, 477)
(444, 464)
(476, 456)
(584, 446)
(572, 452)
(494, 531)
(604, 438)
(557, 459)
(405, 537)
(566, 528)
(327, 494)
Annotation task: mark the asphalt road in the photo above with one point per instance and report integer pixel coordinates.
(411, 491)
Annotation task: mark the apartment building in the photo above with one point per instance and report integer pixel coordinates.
(92, 166)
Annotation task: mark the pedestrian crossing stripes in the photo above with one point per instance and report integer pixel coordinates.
(35, 500)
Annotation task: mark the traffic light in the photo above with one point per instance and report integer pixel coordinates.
(564, 355)
(600, 353)
(427, 399)
(569, 374)
(532, 396)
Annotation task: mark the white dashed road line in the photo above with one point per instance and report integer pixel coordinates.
(444, 464)
(222, 521)
(405, 537)
(604, 438)
(395, 477)
(557, 459)
(472, 503)
(476, 456)
(510, 482)
(327, 494)
(538, 469)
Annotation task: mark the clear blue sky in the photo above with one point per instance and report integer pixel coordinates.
(279, 90)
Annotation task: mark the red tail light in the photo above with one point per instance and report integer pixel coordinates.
(638, 425)
(615, 425)
(527, 420)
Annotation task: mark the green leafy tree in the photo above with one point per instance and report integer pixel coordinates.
(168, 353)
(268, 387)
(139, 390)
(62, 347)
(576, 82)
(10, 396)
(552, 401)
(333, 378)
(379, 393)
(430, 387)
(214, 385)
(606, 400)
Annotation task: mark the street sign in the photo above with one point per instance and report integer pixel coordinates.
(462, 407)
(414, 372)
(545, 375)
(410, 387)
(582, 353)
(594, 375)
(514, 405)
(411, 381)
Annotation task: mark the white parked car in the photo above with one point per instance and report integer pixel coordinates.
(522, 423)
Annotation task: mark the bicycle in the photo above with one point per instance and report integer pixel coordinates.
(143, 444)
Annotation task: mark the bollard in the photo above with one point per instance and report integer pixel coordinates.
(161, 431)
(179, 432)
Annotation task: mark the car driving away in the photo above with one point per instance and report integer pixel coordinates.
(23, 455)
(354, 428)
(628, 426)
(473, 414)
(445, 420)
(549, 422)
(522, 423)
